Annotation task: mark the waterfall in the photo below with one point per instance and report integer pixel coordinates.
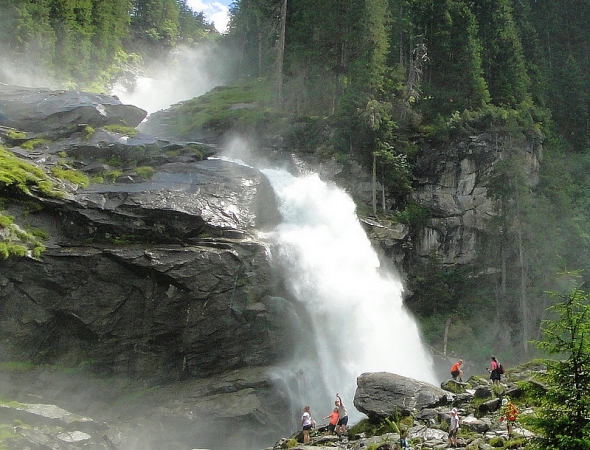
(353, 319)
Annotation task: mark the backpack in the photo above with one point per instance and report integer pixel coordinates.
(500, 368)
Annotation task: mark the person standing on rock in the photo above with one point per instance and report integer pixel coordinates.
(306, 424)
(333, 420)
(454, 428)
(342, 416)
(494, 371)
(456, 371)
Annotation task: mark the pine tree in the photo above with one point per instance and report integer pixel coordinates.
(564, 414)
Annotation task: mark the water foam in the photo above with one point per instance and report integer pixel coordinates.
(353, 314)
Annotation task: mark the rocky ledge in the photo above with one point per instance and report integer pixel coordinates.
(398, 406)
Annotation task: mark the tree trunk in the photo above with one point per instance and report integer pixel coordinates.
(374, 184)
(446, 338)
(523, 279)
(382, 188)
(259, 50)
(281, 53)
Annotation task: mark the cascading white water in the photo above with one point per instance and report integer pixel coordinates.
(353, 316)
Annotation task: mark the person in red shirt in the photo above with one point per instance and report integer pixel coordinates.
(456, 371)
(333, 420)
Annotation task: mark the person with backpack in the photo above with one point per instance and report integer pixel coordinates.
(510, 411)
(494, 371)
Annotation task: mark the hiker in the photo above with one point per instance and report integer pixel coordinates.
(456, 371)
(306, 424)
(494, 371)
(333, 420)
(454, 428)
(510, 411)
(342, 416)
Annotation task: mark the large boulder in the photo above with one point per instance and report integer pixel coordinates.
(39, 109)
(381, 394)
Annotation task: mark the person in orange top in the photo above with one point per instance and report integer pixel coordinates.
(456, 371)
(509, 410)
(333, 420)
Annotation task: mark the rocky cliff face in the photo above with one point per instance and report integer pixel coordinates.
(164, 277)
(453, 187)
(161, 278)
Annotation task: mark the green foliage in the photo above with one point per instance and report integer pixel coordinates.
(34, 143)
(291, 443)
(121, 129)
(563, 416)
(414, 214)
(17, 173)
(496, 442)
(114, 160)
(71, 175)
(145, 172)
(17, 242)
(13, 134)
(110, 176)
(198, 150)
(247, 107)
(87, 132)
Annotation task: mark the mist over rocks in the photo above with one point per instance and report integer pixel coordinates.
(166, 279)
(162, 280)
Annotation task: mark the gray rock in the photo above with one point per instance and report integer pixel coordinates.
(474, 424)
(483, 391)
(490, 405)
(454, 189)
(380, 394)
(38, 109)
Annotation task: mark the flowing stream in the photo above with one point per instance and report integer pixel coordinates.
(351, 312)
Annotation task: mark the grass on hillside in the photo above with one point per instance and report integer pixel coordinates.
(225, 107)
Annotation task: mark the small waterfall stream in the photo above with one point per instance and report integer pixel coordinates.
(352, 316)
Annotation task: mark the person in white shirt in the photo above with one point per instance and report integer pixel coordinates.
(306, 424)
(453, 428)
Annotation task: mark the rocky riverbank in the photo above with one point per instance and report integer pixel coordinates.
(397, 406)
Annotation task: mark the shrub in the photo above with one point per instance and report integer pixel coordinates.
(414, 214)
(34, 143)
(87, 132)
(496, 442)
(121, 129)
(22, 175)
(13, 134)
(71, 175)
(145, 172)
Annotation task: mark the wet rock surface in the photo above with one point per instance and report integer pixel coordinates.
(160, 285)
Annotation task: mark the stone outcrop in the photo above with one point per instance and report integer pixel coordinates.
(196, 301)
(160, 279)
(380, 394)
(453, 188)
(38, 109)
